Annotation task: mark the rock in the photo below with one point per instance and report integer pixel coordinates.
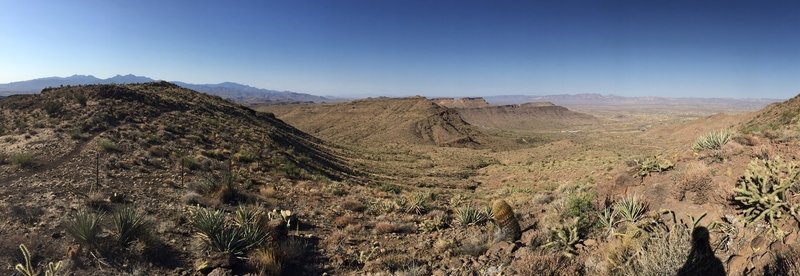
(736, 264)
(439, 272)
(529, 237)
(590, 242)
(221, 272)
(507, 225)
(758, 243)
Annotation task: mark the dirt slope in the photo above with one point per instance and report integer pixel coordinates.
(378, 121)
(777, 116)
(536, 115)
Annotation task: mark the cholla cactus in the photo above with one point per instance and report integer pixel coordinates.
(27, 269)
(284, 215)
(763, 192)
(565, 238)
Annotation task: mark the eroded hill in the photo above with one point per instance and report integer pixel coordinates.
(528, 116)
(377, 121)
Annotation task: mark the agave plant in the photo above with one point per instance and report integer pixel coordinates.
(608, 220)
(713, 140)
(470, 215)
(130, 225)
(219, 236)
(631, 209)
(84, 227)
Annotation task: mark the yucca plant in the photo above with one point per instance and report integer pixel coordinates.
(763, 192)
(418, 204)
(713, 140)
(130, 225)
(470, 215)
(85, 227)
(221, 237)
(27, 268)
(608, 220)
(249, 215)
(630, 209)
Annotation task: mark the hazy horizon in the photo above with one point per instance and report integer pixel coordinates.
(732, 49)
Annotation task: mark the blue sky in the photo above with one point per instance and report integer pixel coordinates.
(435, 48)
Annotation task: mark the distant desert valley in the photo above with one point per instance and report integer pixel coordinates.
(134, 176)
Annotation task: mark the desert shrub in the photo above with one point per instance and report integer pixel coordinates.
(354, 205)
(663, 253)
(28, 270)
(53, 107)
(81, 99)
(392, 227)
(26, 214)
(469, 215)
(108, 146)
(76, 134)
(784, 262)
(191, 163)
(763, 193)
(84, 227)
(713, 140)
(697, 180)
(22, 159)
(651, 165)
(130, 225)
(545, 264)
(245, 156)
(220, 237)
(580, 205)
(3, 158)
(435, 221)
(292, 249)
(473, 246)
(266, 261)
(343, 220)
(390, 188)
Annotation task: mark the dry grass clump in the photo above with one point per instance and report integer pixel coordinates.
(545, 264)
(473, 246)
(391, 227)
(784, 262)
(266, 262)
(354, 205)
(343, 220)
(696, 182)
(21, 159)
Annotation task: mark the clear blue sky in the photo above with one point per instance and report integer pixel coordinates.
(402, 47)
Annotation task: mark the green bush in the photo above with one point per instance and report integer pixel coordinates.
(22, 159)
(53, 107)
(713, 140)
(109, 146)
(580, 205)
(81, 99)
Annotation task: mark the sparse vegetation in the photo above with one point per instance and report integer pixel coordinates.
(713, 140)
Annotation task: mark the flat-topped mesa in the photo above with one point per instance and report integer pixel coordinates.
(474, 102)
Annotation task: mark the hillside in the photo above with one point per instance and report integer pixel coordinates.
(590, 99)
(228, 90)
(155, 147)
(528, 116)
(376, 121)
(781, 116)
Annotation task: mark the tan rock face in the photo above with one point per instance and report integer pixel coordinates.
(507, 225)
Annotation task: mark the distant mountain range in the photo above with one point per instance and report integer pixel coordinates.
(234, 91)
(599, 99)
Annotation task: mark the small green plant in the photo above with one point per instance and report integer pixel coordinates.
(130, 225)
(220, 237)
(608, 220)
(81, 99)
(764, 191)
(85, 227)
(631, 209)
(76, 134)
(27, 268)
(53, 107)
(21, 159)
(417, 204)
(713, 140)
(565, 238)
(108, 146)
(469, 215)
(651, 165)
